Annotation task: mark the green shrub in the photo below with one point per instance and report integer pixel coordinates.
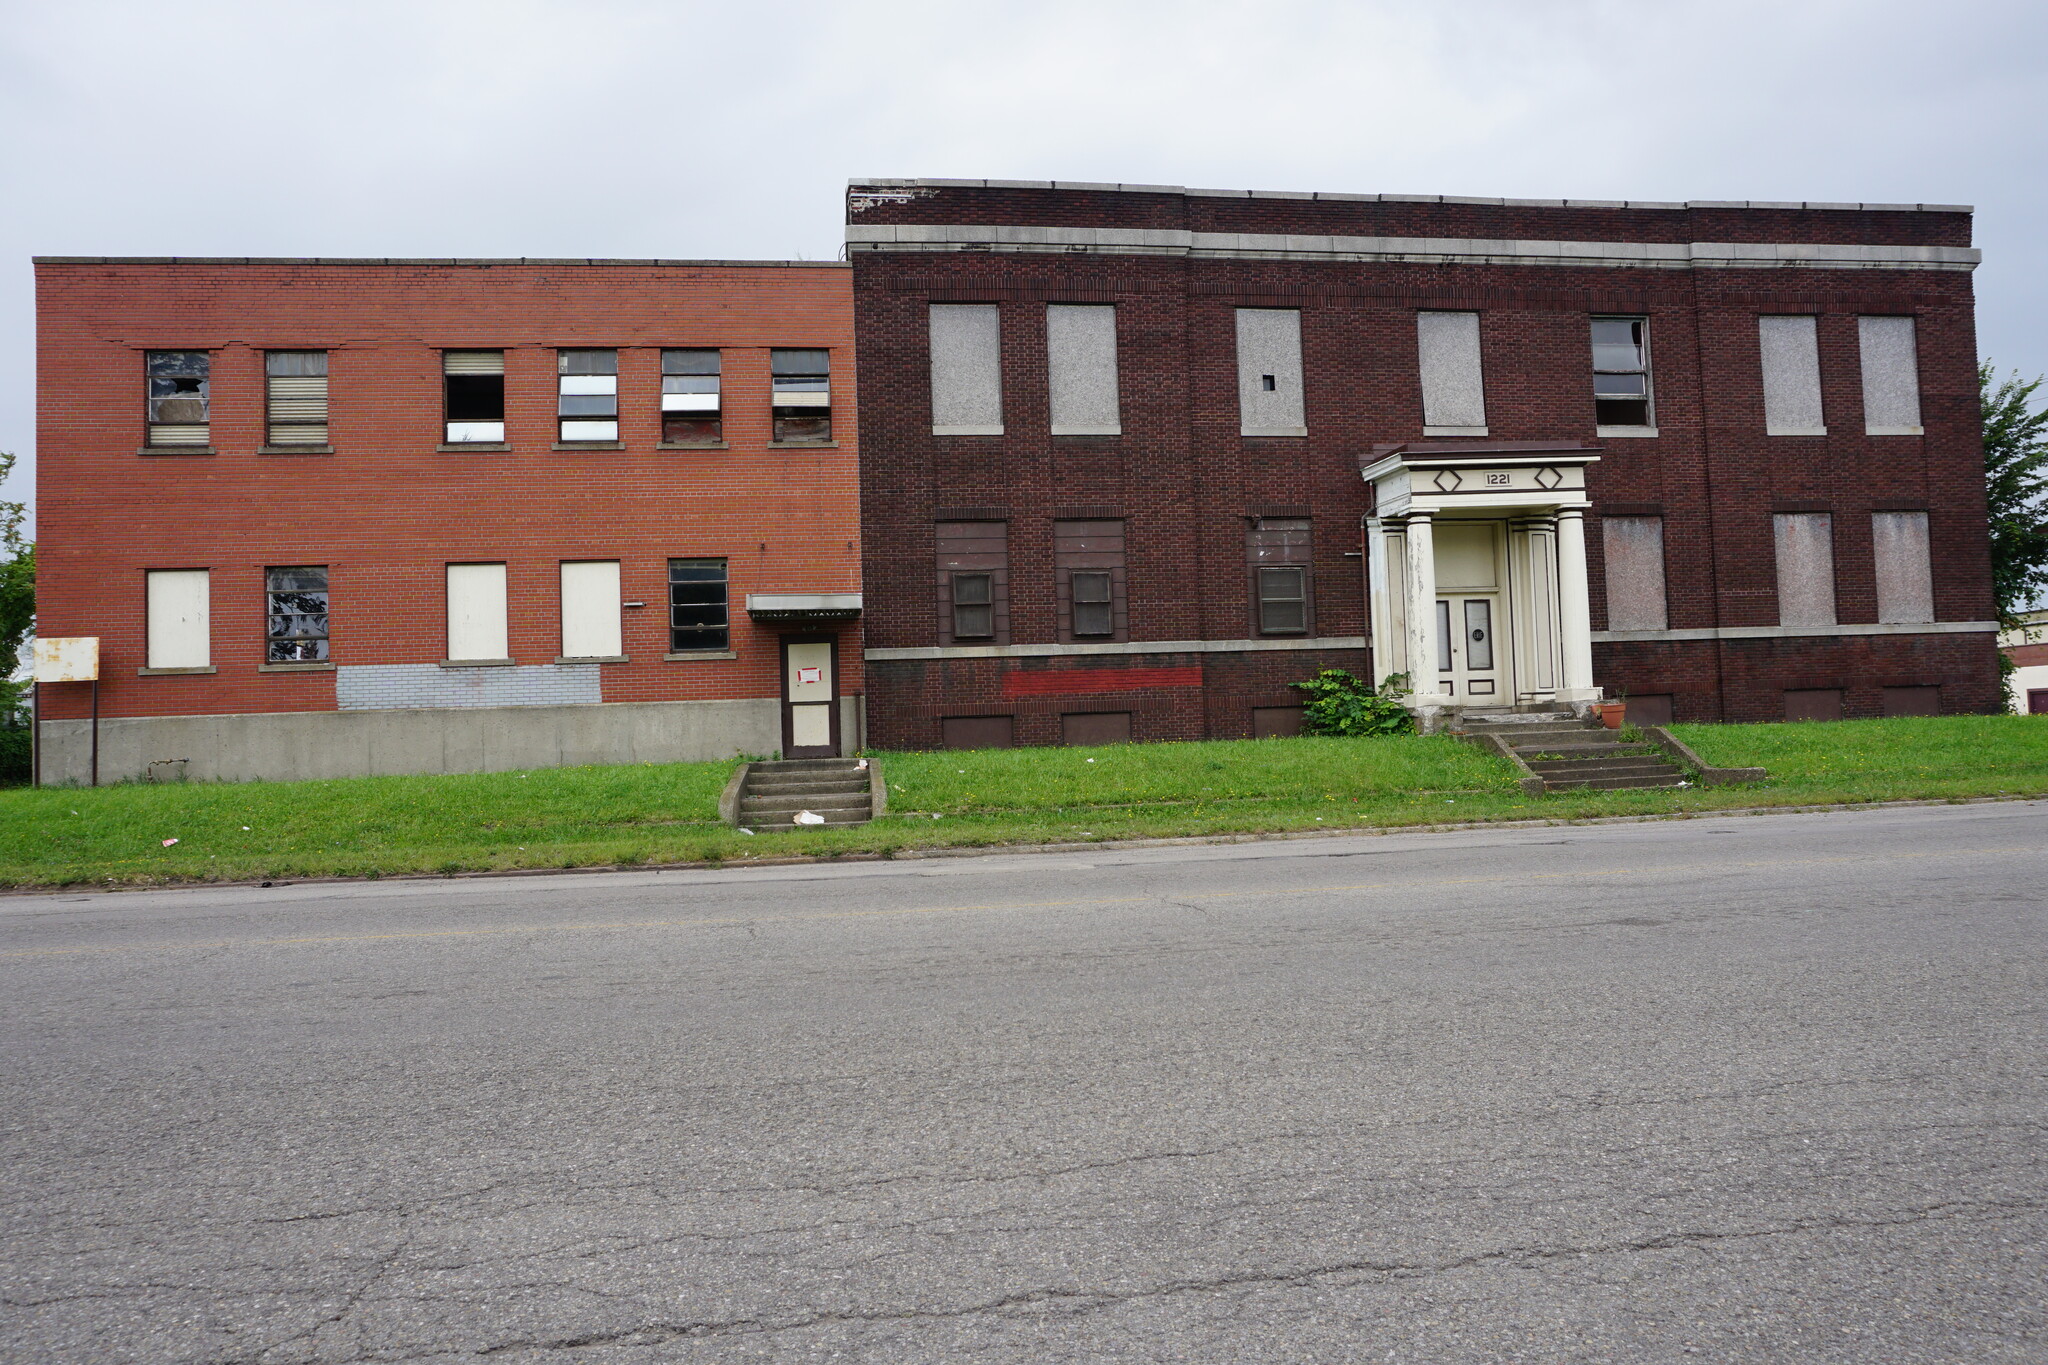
(1342, 703)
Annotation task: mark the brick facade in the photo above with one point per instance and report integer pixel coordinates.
(1186, 482)
(388, 508)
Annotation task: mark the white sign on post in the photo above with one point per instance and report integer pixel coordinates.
(68, 659)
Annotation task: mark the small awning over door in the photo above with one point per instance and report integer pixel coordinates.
(803, 608)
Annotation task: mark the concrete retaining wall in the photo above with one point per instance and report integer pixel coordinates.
(286, 746)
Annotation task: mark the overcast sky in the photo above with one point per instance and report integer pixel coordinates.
(684, 129)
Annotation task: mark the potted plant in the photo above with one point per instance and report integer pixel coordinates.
(1611, 713)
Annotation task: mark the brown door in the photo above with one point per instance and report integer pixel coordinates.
(810, 696)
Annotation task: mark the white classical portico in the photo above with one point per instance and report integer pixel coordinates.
(1476, 571)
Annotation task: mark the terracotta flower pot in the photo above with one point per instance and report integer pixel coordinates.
(1611, 713)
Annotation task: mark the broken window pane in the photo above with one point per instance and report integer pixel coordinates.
(297, 622)
(689, 397)
(697, 614)
(178, 385)
(474, 393)
(1621, 372)
(802, 400)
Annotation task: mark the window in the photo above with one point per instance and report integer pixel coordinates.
(1080, 347)
(473, 390)
(1621, 373)
(476, 614)
(689, 398)
(179, 618)
(967, 369)
(803, 395)
(1088, 559)
(295, 396)
(1092, 614)
(1806, 568)
(974, 606)
(590, 609)
(1790, 347)
(1905, 570)
(1891, 376)
(1453, 390)
(295, 629)
(1269, 401)
(1283, 601)
(696, 605)
(1277, 550)
(1634, 550)
(178, 383)
(587, 401)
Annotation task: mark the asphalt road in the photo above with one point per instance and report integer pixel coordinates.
(1741, 1089)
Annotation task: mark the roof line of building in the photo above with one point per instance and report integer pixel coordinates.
(891, 184)
(422, 260)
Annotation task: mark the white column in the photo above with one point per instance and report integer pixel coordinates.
(1574, 615)
(1422, 642)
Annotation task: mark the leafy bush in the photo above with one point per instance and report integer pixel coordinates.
(1342, 703)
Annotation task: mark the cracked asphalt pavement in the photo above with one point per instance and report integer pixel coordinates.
(1730, 1090)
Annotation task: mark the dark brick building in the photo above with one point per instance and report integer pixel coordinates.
(1135, 458)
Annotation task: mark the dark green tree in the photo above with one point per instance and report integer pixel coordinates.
(2015, 490)
(17, 621)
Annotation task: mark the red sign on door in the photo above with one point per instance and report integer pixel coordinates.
(809, 675)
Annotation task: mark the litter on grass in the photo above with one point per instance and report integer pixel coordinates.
(169, 842)
(808, 817)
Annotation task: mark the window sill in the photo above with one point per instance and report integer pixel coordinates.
(685, 656)
(294, 450)
(590, 658)
(588, 445)
(304, 666)
(1087, 431)
(1795, 431)
(1624, 431)
(693, 445)
(463, 447)
(476, 663)
(1272, 431)
(803, 445)
(968, 429)
(177, 450)
(1458, 431)
(172, 672)
(1895, 431)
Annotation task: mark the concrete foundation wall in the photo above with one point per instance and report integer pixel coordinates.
(286, 746)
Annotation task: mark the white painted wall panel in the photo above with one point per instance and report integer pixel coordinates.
(476, 612)
(1905, 571)
(1791, 362)
(180, 618)
(1453, 385)
(590, 610)
(1806, 568)
(1080, 345)
(1891, 376)
(1269, 352)
(967, 369)
(1635, 572)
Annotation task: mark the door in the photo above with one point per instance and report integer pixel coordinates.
(1469, 665)
(810, 696)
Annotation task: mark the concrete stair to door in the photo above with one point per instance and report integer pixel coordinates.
(840, 789)
(1568, 754)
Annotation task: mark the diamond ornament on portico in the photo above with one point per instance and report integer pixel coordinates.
(1548, 477)
(1447, 481)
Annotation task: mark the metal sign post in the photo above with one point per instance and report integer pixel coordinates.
(73, 658)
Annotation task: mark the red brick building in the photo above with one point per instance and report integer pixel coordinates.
(1138, 457)
(349, 516)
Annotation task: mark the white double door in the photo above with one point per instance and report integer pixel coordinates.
(1471, 663)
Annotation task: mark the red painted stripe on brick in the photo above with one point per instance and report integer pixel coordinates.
(1056, 682)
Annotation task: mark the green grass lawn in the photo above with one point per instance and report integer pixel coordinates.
(668, 813)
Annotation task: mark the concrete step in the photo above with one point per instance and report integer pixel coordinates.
(750, 804)
(1529, 734)
(1620, 767)
(808, 765)
(1607, 783)
(824, 782)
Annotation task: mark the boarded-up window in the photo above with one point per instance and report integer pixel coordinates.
(690, 413)
(590, 609)
(587, 395)
(1791, 362)
(295, 395)
(178, 398)
(802, 398)
(1453, 387)
(699, 615)
(1278, 553)
(1096, 727)
(473, 393)
(295, 628)
(1080, 347)
(1912, 701)
(1269, 398)
(978, 732)
(1276, 722)
(1813, 703)
(1635, 572)
(1891, 376)
(973, 582)
(180, 618)
(1088, 558)
(1905, 572)
(967, 369)
(1806, 568)
(476, 613)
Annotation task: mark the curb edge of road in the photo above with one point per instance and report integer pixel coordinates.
(1081, 846)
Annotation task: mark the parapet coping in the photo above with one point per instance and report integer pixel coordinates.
(1324, 196)
(428, 260)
